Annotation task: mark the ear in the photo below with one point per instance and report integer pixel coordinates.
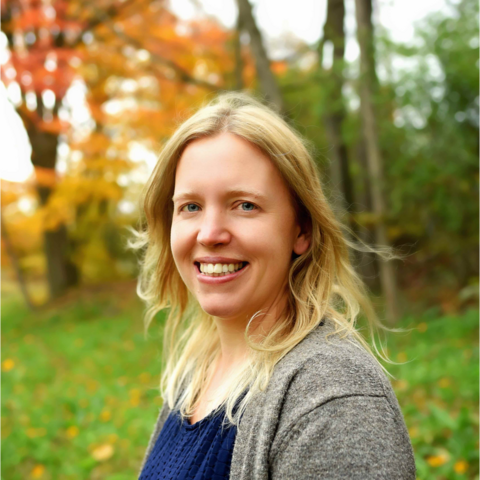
(302, 242)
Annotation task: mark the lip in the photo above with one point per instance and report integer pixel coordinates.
(219, 280)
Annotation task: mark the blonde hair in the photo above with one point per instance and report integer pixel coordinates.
(322, 281)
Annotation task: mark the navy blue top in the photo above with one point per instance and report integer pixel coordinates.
(202, 451)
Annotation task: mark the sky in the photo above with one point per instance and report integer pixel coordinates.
(302, 18)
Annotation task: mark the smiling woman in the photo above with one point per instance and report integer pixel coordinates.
(241, 207)
(266, 376)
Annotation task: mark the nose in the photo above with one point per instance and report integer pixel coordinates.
(213, 230)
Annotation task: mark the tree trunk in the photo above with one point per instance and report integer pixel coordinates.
(341, 178)
(268, 82)
(61, 272)
(369, 263)
(16, 265)
(368, 84)
(335, 109)
(237, 46)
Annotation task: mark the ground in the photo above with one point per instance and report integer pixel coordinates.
(80, 387)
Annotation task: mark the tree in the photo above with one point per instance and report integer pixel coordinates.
(334, 116)
(9, 194)
(368, 86)
(268, 82)
(431, 151)
(39, 41)
(135, 41)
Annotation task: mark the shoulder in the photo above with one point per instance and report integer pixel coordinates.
(338, 400)
(324, 367)
(328, 412)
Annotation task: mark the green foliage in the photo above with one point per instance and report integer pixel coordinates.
(427, 115)
(80, 389)
(431, 148)
(80, 396)
(437, 388)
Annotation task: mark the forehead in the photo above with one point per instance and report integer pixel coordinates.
(227, 161)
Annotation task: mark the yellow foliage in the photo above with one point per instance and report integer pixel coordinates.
(367, 218)
(34, 263)
(46, 177)
(8, 196)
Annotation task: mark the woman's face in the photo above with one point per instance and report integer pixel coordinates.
(232, 209)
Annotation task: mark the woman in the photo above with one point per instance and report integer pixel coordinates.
(266, 376)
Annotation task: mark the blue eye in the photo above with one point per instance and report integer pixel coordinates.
(188, 209)
(253, 207)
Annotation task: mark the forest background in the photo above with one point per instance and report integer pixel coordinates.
(101, 86)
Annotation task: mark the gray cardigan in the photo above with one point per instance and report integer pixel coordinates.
(329, 412)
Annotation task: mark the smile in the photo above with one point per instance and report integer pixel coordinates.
(213, 273)
(220, 269)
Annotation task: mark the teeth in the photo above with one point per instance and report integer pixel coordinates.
(219, 269)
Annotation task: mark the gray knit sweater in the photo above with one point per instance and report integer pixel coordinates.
(329, 412)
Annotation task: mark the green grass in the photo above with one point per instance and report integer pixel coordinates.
(79, 384)
(437, 389)
(79, 389)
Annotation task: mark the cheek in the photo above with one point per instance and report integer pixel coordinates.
(272, 240)
(180, 243)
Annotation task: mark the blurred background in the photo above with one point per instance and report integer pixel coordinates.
(387, 94)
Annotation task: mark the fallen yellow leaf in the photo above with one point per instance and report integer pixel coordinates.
(37, 471)
(7, 364)
(105, 415)
(134, 392)
(402, 357)
(413, 432)
(461, 466)
(72, 431)
(36, 432)
(422, 327)
(103, 452)
(134, 401)
(437, 460)
(401, 384)
(444, 383)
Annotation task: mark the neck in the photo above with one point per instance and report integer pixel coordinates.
(231, 331)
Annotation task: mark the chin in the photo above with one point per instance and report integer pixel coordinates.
(217, 309)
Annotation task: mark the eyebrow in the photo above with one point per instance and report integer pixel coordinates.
(229, 193)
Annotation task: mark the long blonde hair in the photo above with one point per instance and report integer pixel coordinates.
(322, 281)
